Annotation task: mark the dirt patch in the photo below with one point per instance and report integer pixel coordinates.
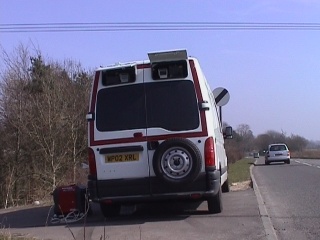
(239, 186)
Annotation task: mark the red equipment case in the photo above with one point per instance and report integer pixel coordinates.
(69, 198)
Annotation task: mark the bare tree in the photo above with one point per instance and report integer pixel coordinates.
(58, 125)
(42, 118)
(246, 137)
(12, 102)
(262, 141)
(296, 143)
(76, 125)
(276, 137)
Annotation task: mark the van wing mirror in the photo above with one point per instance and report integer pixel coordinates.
(228, 133)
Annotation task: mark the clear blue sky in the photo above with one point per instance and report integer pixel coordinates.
(273, 76)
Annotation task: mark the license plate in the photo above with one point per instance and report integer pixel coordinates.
(127, 157)
(279, 154)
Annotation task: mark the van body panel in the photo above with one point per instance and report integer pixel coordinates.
(137, 190)
(146, 109)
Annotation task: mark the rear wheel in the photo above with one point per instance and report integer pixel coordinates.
(266, 162)
(110, 210)
(215, 203)
(288, 161)
(225, 186)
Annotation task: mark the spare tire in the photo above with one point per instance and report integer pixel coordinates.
(177, 161)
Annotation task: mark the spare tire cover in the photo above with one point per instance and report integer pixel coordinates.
(177, 161)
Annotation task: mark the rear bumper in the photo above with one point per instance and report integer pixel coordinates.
(152, 189)
(277, 159)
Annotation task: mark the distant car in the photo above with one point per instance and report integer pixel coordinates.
(277, 153)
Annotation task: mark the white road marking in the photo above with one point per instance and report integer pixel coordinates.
(308, 164)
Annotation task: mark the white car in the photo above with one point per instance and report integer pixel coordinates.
(277, 153)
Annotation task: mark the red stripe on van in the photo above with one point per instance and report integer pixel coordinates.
(92, 106)
(199, 96)
(149, 138)
(202, 133)
(142, 66)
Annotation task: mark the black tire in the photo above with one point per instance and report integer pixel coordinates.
(215, 203)
(266, 162)
(177, 161)
(90, 211)
(225, 187)
(110, 210)
(287, 161)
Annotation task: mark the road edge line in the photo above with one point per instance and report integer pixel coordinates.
(265, 218)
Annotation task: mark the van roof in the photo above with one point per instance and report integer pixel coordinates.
(160, 56)
(126, 64)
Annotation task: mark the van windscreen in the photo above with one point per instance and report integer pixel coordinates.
(171, 105)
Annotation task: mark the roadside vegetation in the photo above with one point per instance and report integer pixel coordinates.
(240, 170)
(309, 153)
(8, 236)
(43, 130)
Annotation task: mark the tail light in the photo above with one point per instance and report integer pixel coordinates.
(92, 163)
(210, 159)
(288, 154)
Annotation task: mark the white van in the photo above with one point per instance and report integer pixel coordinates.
(155, 134)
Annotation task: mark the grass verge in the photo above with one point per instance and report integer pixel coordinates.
(240, 170)
(8, 236)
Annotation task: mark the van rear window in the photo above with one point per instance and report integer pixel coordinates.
(171, 105)
(278, 148)
(118, 76)
(169, 70)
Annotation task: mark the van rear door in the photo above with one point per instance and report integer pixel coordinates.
(172, 113)
(118, 132)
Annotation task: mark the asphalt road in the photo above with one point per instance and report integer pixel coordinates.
(291, 195)
(284, 205)
(239, 220)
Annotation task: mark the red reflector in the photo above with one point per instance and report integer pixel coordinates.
(195, 196)
(209, 155)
